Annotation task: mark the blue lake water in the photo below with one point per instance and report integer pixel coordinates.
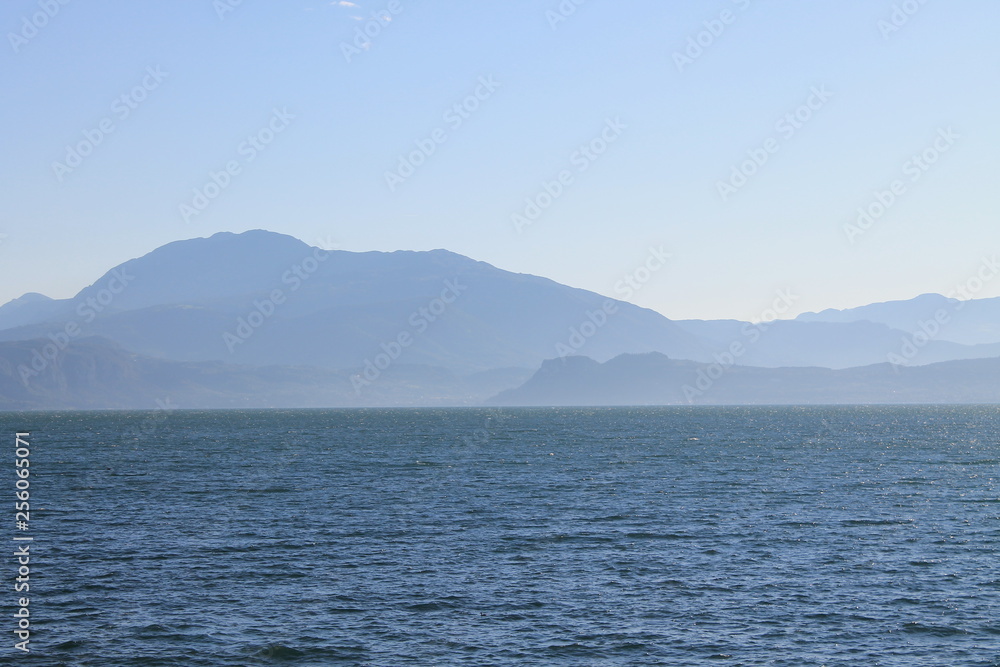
(646, 536)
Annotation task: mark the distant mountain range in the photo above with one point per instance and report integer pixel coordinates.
(833, 344)
(969, 322)
(260, 298)
(653, 379)
(94, 373)
(263, 319)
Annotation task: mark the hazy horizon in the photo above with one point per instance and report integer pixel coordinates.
(263, 417)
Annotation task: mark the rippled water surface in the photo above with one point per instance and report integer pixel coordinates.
(653, 536)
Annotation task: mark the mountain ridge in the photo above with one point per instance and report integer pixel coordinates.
(336, 309)
(654, 379)
(260, 300)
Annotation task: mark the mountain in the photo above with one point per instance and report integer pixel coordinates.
(829, 344)
(654, 379)
(260, 318)
(28, 309)
(970, 322)
(261, 298)
(94, 373)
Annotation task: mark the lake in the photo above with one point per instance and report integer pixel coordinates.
(568, 536)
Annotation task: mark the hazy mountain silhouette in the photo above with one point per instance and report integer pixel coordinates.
(654, 379)
(30, 309)
(94, 373)
(971, 322)
(829, 344)
(180, 301)
(264, 319)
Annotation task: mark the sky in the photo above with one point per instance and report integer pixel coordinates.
(744, 139)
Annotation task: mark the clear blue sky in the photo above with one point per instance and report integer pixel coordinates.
(322, 178)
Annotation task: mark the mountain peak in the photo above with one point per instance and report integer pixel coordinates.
(923, 301)
(32, 297)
